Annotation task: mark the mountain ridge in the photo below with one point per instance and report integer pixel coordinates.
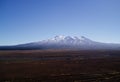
(63, 42)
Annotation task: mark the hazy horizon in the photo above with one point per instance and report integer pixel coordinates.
(24, 21)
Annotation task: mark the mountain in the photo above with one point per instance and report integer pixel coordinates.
(63, 42)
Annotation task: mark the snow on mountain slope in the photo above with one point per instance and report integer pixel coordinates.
(65, 42)
(68, 40)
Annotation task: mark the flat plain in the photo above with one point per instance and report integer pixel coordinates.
(60, 66)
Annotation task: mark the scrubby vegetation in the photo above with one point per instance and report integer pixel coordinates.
(60, 66)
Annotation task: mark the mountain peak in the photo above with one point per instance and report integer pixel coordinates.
(65, 42)
(61, 37)
(84, 38)
(71, 40)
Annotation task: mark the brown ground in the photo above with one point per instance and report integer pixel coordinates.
(60, 66)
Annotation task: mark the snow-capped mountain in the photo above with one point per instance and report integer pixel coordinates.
(65, 42)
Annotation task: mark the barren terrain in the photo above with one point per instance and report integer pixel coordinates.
(60, 66)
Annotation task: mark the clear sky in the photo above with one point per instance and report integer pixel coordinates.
(23, 21)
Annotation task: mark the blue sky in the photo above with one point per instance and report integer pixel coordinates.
(23, 21)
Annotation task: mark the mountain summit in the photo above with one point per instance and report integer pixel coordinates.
(67, 40)
(64, 42)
